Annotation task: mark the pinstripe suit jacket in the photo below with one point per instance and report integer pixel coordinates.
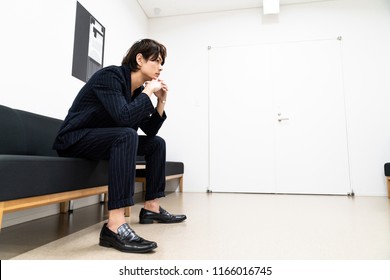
(106, 101)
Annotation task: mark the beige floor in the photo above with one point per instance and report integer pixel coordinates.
(248, 226)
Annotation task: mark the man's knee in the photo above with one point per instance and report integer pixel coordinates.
(160, 142)
(153, 144)
(128, 136)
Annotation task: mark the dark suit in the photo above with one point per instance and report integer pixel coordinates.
(102, 123)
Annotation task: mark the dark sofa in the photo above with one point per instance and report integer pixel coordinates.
(32, 174)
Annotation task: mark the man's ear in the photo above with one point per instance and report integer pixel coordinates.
(139, 58)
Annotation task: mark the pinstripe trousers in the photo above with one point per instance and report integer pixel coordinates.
(120, 146)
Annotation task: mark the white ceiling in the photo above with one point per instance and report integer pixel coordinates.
(163, 8)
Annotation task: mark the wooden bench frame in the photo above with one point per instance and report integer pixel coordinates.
(64, 198)
(388, 186)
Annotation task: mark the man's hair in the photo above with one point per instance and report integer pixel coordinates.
(150, 50)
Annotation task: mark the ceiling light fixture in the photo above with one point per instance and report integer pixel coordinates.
(270, 7)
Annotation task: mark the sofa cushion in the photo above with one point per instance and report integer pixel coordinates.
(12, 139)
(27, 176)
(27, 133)
(387, 169)
(40, 132)
(171, 168)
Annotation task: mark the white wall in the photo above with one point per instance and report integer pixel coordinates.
(37, 49)
(36, 53)
(365, 28)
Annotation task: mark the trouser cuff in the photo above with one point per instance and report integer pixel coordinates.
(154, 196)
(120, 204)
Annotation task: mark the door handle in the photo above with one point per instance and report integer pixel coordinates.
(283, 119)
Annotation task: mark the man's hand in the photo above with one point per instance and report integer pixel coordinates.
(152, 87)
(161, 94)
(160, 89)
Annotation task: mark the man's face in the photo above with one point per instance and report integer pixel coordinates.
(152, 68)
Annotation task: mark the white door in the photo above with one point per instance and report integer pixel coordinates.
(277, 119)
(311, 137)
(241, 145)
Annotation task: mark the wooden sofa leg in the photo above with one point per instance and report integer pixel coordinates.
(64, 207)
(143, 182)
(1, 213)
(181, 184)
(127, 211)
(103, 198)
(388, 187)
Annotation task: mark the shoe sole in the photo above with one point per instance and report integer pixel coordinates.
(151, 221)
(107, 244)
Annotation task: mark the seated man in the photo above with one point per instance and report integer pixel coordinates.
(102, 123)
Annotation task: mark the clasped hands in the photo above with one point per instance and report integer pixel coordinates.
(157, 87)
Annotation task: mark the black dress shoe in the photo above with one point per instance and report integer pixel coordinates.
(126, 240)
(148, 217)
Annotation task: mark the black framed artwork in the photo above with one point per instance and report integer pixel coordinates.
(88, 48)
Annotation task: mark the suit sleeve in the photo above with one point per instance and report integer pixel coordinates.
(111, 91)
(152, 124)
